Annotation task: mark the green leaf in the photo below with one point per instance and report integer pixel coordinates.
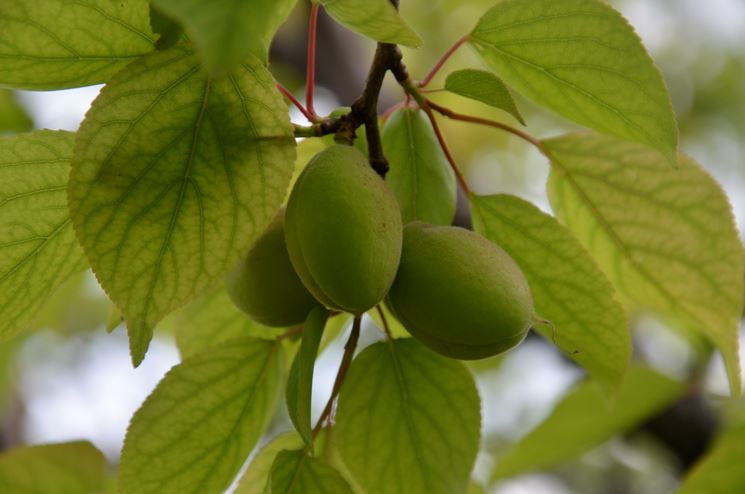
(211, 320)
(568, 288)
(376, 19)
(584, 419)
(196, 429)
(581, 59)
(256, 477)
(296, 472)
(419, 174)
(408, 420)
(38, 249)
(58, 44)
(170, 31)
(665, 237)
(13, 117)
(483, 86)
(64, 468)
(226, 32)
(720, 470)
(174, 176)
(300, 380)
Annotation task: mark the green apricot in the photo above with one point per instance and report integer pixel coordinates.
(343, 230)
(458, 293)
(264, 284)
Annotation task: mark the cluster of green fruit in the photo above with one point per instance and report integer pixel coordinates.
(340, 242)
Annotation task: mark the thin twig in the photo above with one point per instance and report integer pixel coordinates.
(485, 121)
(291, 332)
(385, 322)
(442, 61)
(341, 374)
(286, 92)
(310, 77)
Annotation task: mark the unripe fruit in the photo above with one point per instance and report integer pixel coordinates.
(264, 284)
(343, 230)
(459, 293)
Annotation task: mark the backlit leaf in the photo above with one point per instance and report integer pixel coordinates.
(38, 249)
(58, 44)
(174, 176)
(256, 477)
(483, 86)
(665, 237)
(581, 59)
(720, 470)
(196, 429)
(296, 472)
(568, 288)
(376, 19)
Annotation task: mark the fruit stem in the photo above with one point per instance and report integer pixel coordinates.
(442, 60)
(387, 329)
(291, 332)
(286, 92)
(310, 72)
(346, 361)
(485, 121)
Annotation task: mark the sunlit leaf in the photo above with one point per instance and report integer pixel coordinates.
(568, 288)
(581, 59)
(296, 472)
(211, 320)
(584, 418)
(376, 19)
(196, 429)
(174, 175)
(38, 249)
(665, 237)
(408, 420)
(256, 477)
(64, 468)
(720, 470)
(226, 31)
(58, 44)
(419, 173)
(483, 86)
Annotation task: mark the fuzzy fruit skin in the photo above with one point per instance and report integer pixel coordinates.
(343, 230)
(264, 284)
(460, 294)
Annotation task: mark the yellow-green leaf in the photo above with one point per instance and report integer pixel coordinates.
(584, 418)
(38, 249)
(256, 477)
(196, 429)
(483, 86)
(581, 59)
(58, 44)
(63, 468)
(376, 19)
(408, 420)
(568, 287)
(13, 117)
(296, 472)
(174, 176)
(665, 237)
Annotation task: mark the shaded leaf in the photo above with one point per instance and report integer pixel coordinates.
(13, 117)
(295, 472)
(196, 429)
(720, 470)
(300, 380)
(174, 176)
(376, 19)
(581, 59)
(419, 173)
(666, 238)
(64, 468)
(256, 477)
(584, 419)
(483, 86)
(58, 44)
(226, 32)
(38, 249)
(401, 401)
(568, 288)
